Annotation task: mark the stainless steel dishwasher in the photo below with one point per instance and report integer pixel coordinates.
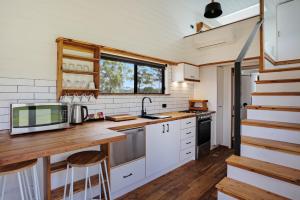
(130, 149)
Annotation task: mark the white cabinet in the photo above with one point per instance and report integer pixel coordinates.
(188, 139)
(185, 72)
(162, 146)
(127, 174)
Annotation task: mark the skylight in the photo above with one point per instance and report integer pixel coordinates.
(239, 15)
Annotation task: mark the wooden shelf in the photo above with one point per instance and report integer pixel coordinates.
(75, 57)
(78, 72)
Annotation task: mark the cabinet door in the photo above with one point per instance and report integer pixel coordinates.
(191, 72)
(162, 146)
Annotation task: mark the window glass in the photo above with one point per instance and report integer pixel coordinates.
(149, 79)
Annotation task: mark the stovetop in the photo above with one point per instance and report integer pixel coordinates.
(199, 113)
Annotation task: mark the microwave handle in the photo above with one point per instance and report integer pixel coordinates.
(87, 112)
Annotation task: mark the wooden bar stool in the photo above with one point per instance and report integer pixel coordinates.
(87, 159)
(21, 169)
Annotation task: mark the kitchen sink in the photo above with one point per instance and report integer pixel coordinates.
(153, 116)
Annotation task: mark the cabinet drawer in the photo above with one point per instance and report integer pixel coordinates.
(127, 174)
(187, 153)
(187, 123)
(188, 133)
(186, 143)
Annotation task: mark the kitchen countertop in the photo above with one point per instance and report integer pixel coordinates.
(36, 145)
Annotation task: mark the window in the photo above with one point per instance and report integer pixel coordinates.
(124, 75)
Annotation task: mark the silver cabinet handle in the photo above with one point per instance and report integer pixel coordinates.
(188, 133)
(188, 153)
(188, 143)
(188, 122)
(126, 176)
(163, 128)
(168, 128)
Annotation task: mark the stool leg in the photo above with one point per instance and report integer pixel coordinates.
(90, 188)
(107, 178)
(100, 183)
(36, 184)
(102, 180)
(3, 187)
(28, 184)
(20, 185)
(86, 181)
(66, 183)
(72, 183)
(24, 185)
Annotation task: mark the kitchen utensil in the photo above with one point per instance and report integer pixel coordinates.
(76, 99)
(77, 114)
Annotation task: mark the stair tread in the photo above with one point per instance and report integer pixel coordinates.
(292, 80)
(280, 70)
(275, 94)
(271, 124)
(245, 191)
(265, 168)
(274, 108)
(272, 144)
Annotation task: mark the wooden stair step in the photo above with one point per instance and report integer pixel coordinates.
(245, 191)
(280, 70)
(267, 169)
(274, 108)
(294, 80)
(275, 94)
(272, 144)
(271, 124)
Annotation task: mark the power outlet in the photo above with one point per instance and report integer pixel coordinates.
(164, 105)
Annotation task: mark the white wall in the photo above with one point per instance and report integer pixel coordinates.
(29, 29)
(237, 33)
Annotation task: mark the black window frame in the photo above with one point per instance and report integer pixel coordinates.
(136, 63)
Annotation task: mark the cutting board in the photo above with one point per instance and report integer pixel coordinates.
(118, 118)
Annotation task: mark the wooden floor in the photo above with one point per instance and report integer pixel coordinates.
(194, 180)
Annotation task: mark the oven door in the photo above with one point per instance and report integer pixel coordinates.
(204, 130)
(38, 117)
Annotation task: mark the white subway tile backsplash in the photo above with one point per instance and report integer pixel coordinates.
(8, 96)
(4, 111)
(15, 81)
(52, 89)
(49, 83)
(32, 89)
(4, 118)
(8, 88)
(4, 126)
(4, 104)
(45, 96)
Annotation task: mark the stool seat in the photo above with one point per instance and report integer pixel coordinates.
(85, 158)
(17, 167)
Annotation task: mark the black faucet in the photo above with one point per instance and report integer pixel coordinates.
(144, 110)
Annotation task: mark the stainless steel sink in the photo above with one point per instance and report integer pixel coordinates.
(153, 116)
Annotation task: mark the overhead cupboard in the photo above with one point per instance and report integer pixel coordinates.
(168, 146)
(185, 72)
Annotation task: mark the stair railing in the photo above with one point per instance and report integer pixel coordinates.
(237, 87)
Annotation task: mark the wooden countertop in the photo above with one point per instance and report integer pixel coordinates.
(36, 145)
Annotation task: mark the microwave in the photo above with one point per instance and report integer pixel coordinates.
(34, 117)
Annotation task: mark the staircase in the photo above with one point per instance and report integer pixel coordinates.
(269, 165)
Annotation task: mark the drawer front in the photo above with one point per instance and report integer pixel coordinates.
(187, 143)
(127, 174)
(188, 133)
(187, 123)
(187, 153)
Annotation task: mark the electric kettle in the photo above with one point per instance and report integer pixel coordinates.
(77, 114)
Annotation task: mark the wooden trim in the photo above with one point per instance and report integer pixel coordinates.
(281, 69)
(183, 62)
(227, 61)
(268, 169)
(75, 57)
(272, 145)
(132, 94)
(77, 72)
(223, 25)
(59, 76)
(192, 80)
(295, 80)
(243, 191)
(274, 108)
(261, 37)
(47, 178)
(272, 124)
(281, 62)
(275, 94)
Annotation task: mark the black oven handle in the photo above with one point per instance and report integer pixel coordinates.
(205, 121)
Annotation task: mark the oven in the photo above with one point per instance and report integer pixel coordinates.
(203, 135)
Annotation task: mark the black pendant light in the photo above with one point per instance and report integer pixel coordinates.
(213, 10)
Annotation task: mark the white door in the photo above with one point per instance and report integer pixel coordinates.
(162, 146)
(288, 26)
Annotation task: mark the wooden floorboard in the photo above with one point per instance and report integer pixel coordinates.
(194, 180)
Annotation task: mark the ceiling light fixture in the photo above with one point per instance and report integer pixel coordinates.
(213, 10)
